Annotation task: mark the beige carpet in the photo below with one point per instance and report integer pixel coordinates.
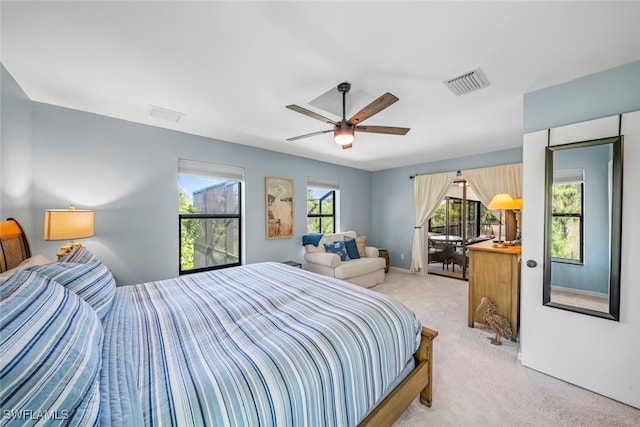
(478, 384)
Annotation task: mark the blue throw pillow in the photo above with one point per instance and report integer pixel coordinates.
(352, 248)
(337, 248)
(312, 239)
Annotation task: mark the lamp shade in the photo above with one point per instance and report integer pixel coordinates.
(501, 201)
(518, 204)
(67, 224)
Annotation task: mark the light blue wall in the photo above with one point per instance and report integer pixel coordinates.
(127, 173)
(393, 212)
(603, 94)
(15, 152)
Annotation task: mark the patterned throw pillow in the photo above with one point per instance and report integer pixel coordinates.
(361, 242)
(352, 248)
(337, 248)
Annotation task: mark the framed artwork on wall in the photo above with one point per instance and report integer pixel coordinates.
(279, 207)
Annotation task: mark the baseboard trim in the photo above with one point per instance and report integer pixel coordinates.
(398, 269)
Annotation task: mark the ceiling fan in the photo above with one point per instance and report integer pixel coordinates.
(344, 130)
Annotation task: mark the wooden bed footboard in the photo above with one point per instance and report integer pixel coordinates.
(418, 382)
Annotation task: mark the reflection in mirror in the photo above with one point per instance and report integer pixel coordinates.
(582, 227)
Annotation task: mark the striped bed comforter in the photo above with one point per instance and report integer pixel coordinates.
(260, 345)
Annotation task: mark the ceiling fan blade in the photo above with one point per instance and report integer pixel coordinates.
(295, 138)
(375, 107)
(311, 114)
(391, 130)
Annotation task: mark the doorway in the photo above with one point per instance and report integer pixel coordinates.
(461, 219)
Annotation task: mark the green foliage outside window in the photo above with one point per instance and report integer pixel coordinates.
(210, 226)
(566, 225)
(437, 223)
(189, 233)
(439, 218)
(320, 211)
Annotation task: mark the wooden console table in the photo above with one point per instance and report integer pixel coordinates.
(495, 273)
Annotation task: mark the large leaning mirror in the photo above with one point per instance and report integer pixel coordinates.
(583, 222)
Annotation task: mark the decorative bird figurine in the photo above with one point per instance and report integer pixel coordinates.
(499, 324)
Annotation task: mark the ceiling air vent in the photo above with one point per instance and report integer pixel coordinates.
(467, 82)
(165, 114)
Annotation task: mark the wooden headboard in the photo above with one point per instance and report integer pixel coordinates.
(14, 246)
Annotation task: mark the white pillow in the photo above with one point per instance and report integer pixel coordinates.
(29, 262)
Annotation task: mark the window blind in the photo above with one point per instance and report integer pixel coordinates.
(315, 182)
(208, 170)
(567, 176)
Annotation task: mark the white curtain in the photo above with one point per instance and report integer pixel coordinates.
(428, 192)
(487, 182)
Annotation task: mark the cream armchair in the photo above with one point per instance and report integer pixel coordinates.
(366, 271)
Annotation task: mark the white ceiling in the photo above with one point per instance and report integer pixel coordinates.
(231, 67)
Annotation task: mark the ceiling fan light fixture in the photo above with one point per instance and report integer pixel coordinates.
(344, 130)
(343, 136)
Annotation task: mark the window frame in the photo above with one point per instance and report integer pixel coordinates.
(219, 172)
(580, 216)
(322, 215)
(332, 187)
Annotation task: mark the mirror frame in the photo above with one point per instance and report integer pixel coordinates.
(616, 227)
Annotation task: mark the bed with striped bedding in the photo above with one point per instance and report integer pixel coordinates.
(263, 344)
(259, 345)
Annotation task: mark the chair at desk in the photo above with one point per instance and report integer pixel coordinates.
(440, 252)
(461, 258)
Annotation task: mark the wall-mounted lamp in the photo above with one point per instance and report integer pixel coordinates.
(500, 202)
(67, 224)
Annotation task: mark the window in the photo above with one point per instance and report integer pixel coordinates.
(567, 215)
(210, 216)
(447, 219)
(321, 206)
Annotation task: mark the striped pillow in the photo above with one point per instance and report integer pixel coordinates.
(78, 254)
(29, 262)
(51, 345)
(92, 281)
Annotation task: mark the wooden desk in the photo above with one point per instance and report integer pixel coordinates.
(495, 273)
